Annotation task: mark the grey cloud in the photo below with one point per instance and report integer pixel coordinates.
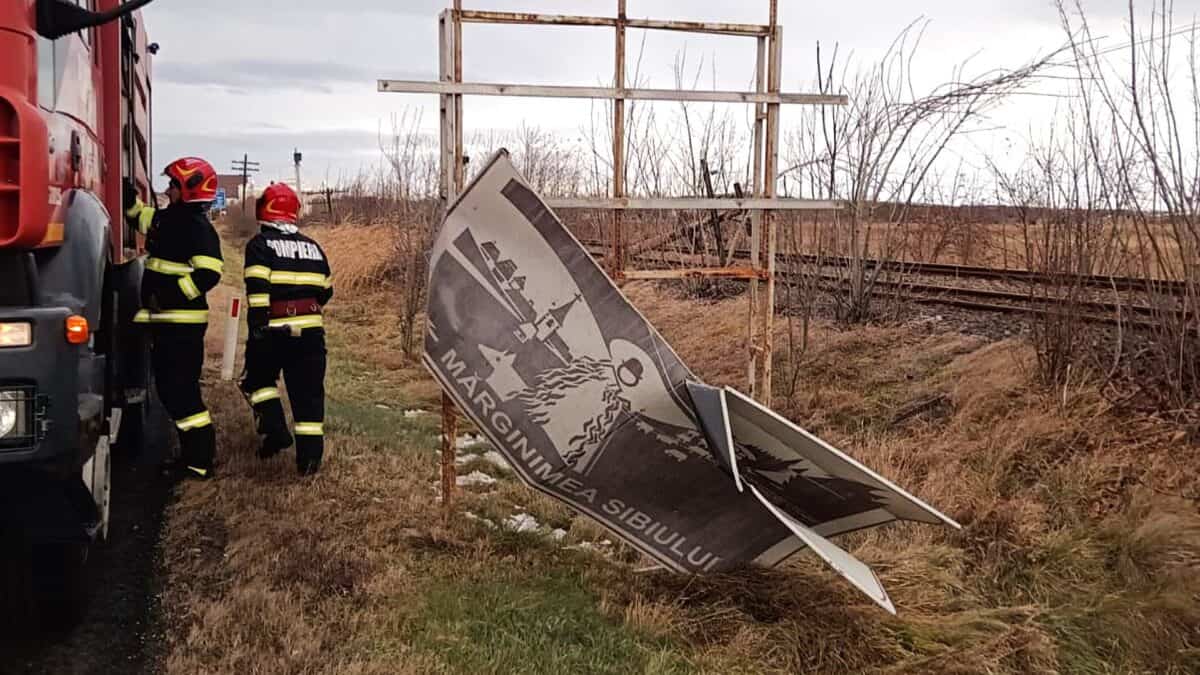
(325, 150)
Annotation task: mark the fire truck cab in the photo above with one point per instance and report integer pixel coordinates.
(74, 127)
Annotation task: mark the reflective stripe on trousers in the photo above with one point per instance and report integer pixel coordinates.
(185, 316)
(197, 421)
(263, 395)
(310, 429)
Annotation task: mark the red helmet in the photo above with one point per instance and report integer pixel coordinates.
(278, 204)
(195, 178)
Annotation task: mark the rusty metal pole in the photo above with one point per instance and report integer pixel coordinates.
(459, 164)
(771, 189)
(446, 74)
(756, 188)
(452, 169)
(618, 224)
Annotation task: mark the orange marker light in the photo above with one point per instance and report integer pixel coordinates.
(77, 330)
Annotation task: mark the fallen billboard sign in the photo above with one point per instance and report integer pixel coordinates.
(590, 405)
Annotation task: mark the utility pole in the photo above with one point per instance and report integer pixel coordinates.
(247, 167)
(297, 156)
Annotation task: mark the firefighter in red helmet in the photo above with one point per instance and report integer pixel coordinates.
(184, 264)
(287, 284)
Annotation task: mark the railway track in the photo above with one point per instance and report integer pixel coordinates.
(1100, 281)
(966, 297)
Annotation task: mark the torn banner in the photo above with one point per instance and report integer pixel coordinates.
(591, 406)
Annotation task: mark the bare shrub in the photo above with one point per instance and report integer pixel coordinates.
(878, 154)
(414, 211)
(1141, 125)
(1063, 208)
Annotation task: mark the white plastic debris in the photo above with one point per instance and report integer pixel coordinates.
(487, 522)
(590, 547)
(522, 522)
(467, 441)
(415, 413)
(496, 459)
(491, 457)
(475, 478)
(558, 534)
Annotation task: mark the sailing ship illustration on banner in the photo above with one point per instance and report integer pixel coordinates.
(592, 406)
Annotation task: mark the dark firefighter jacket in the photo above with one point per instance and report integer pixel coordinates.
(184, 262)
(286, 275)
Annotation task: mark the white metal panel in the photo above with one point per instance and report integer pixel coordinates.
(852, 569)
(694, 204)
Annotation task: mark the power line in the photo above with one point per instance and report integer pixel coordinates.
(1191, 28)
(246, 167)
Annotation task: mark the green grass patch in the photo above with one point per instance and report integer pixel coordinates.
(386, 425)
(545, 625)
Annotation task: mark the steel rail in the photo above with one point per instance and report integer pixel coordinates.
(979, 299)
(1108, 282)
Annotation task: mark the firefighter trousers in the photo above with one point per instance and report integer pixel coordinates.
(302, 361)
(177, 358)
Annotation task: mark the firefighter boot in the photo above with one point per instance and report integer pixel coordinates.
(197, 451)
(308, 467)
(272, 428)
(309, 449)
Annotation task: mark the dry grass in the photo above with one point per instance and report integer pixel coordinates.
(365, 255)
(1075, 556)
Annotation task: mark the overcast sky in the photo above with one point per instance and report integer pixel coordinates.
(266, 76)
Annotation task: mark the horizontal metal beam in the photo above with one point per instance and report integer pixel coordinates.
(531, 19)
(559, 91)
(694, 203)
(701, 273)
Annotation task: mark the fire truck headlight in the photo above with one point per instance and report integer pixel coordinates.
(10, 412)
(18, 334)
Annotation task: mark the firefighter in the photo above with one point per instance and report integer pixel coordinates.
(184, 264)
(287, 284)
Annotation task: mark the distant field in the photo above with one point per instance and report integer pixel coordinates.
(1095, 244)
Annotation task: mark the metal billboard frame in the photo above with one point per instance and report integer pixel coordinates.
(767, 99)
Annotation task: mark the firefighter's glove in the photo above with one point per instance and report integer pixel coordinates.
(152, 304)
(130, 198)
(259, 333)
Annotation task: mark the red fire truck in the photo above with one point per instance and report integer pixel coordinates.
(74, 128)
